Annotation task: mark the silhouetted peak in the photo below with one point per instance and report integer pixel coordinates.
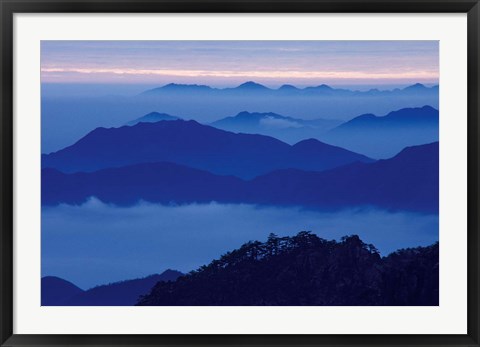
(429, 108)
(366, 116)
(243, 114)
(251, 86)
(56, 279)
(359, 120)
(152, 117)
(170, 274)
(309, 143)
(414, 111)
(415, 86)
(288, 87)
(324, 87)
(246, 114)
(185, 86)
(56, 290)
(157, 114)
(427, 150)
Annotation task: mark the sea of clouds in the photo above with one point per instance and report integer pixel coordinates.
(97, 243)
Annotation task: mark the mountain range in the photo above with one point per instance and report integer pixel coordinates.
(59, 292)
(382, 137)
(374, 136)
(251, 87)
(408, 181)
(207, 105)
(197, 146)
(379, 137)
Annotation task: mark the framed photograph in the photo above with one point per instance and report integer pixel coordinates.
(239, 173)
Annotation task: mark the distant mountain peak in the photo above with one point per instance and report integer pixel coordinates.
(257, 114)
(383, 136)
(429, 148)
(415, 86)
(423, 112)
(324, 86)
(185, 86)
(243, 114)
(288, 87)
(153, 117)
(155, 113)
(252, 86)
(175, 87)
(308, 142)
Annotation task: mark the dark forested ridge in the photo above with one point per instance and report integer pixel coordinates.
(307, 270)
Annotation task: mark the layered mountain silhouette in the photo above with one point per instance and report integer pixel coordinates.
(287, 129)
(207, 105)
(314, 102)
(152, 117)
(58, 292)
(408, 181)
(175, 87)
(382, 137)
(250, 87)
(197, 146)
(305, 270)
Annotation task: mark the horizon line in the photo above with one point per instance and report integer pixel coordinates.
(334, 86)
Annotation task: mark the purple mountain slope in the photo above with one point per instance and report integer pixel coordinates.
(58, 292)
(156, 182)
(198, 146)
(382, 137)
(124, 293)
(408, 181)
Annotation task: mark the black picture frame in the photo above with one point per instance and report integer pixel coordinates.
(9, 7)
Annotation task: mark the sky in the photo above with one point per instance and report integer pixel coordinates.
(229, 63)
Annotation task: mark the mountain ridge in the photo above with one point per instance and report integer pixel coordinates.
(408, 181)
(380, 137)
(252, 85)
(195, 145)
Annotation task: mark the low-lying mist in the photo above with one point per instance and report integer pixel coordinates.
(96, 243)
